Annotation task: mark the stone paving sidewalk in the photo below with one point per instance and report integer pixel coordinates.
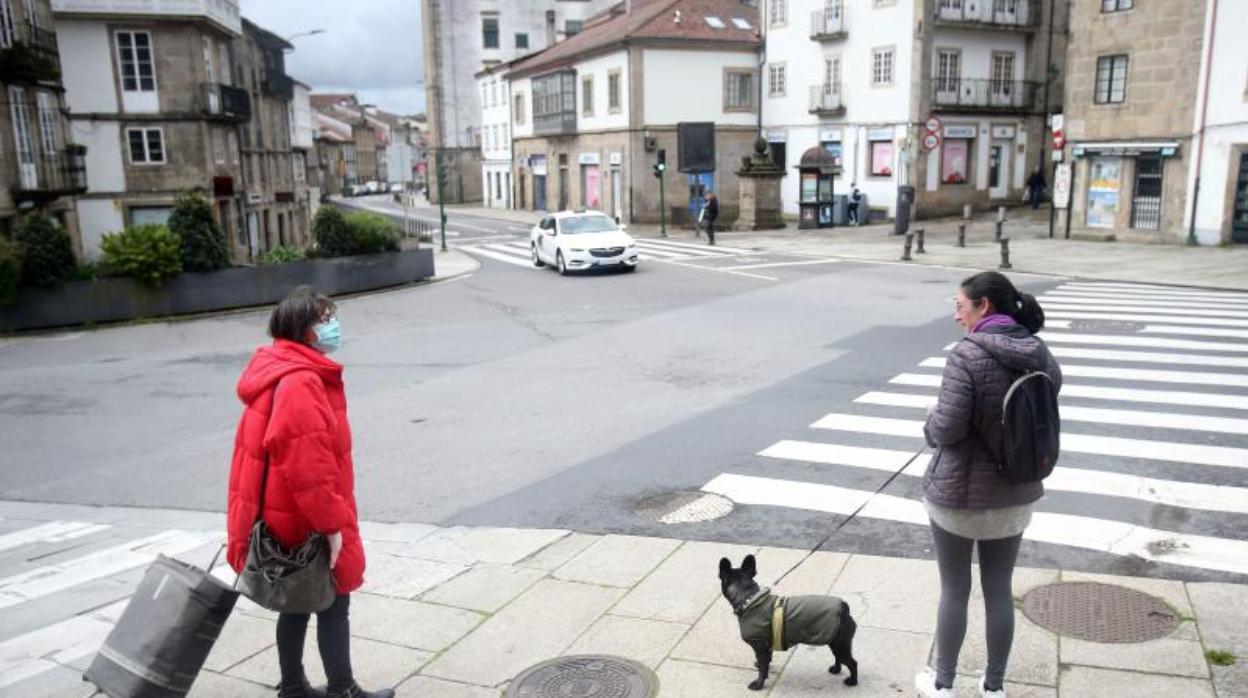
(458, 612)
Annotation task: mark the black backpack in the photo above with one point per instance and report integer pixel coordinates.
(1030, 428)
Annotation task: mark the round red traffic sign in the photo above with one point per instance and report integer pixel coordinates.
(933, 124)
(931, 141)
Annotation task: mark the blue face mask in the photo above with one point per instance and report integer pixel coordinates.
(328, 336)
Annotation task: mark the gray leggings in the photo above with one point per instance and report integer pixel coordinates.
(996, 570)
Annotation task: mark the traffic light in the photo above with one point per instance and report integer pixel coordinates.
(661, 166)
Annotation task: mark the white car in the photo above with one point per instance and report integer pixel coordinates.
(581, 240)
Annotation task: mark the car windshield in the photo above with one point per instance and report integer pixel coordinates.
(588, 224)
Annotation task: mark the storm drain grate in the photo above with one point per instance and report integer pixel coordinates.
(683, 507)
(585, 676)
(1099, 612)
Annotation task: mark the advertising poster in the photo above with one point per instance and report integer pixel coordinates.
(1103, 175)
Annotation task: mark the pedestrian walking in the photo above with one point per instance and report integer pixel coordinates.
(970, 503)
(1035, 187)
(295, 419)
(855, 198)
(711, 211)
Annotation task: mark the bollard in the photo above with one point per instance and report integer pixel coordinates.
(905, 255)
(962, 235)
(921, 234)
(966, 212)
(1005, 254)
(999, 225)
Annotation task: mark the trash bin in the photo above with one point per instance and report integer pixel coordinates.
(905, 198)
(840, 209)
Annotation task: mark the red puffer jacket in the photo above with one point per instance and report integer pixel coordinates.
(311, 485)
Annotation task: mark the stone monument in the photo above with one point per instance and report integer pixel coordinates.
(760, 191)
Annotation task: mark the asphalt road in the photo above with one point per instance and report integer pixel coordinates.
(515, 397)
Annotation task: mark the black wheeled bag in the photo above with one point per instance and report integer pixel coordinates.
(165, 634)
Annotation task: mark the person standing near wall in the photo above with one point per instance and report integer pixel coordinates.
(711, 213)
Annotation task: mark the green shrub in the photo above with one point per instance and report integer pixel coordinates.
(203, 244)
(87, 271)
(372, 233)
(283, 255)
(147, 253)
(47, 252)
(333, 237)
(10, 271)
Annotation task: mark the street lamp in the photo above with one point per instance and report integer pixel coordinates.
(313, 32)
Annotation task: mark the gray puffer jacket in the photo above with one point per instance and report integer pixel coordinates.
(965, 426)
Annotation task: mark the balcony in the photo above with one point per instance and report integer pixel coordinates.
(1011, 15)
(47, 176)
(956, 94)
(827, 100)
(554, 104)
(223, 13)
(829, 24)
(226, 103)
(33, 57)
(279, 85)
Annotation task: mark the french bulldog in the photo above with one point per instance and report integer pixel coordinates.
(771, 623)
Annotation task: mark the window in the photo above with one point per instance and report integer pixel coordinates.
(881, 158)
(210, 72)
(948, 69)
(613, 91)
(587, 95)
(714, 22)
(1002, 68)
(831, 75)
(882, 67)
(775, 80)
(779, 12)
(741, 23)
(485, 94)
(1111, 79)
(572, 27)
(6, 24)
(489, 32)
(147, 146)
(779, 151)
(134, 55)
(1116, 5)
(150, 215)
(224, 65)
(522, 40)
(47, 121)
(738, 90)
(883, 3)
(955, 161)
(519, 115)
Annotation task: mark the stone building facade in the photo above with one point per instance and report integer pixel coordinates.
(41, 168)
(1131, 102)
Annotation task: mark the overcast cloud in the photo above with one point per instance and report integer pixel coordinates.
(370, 47)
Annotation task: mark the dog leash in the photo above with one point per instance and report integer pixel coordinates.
(852, 516)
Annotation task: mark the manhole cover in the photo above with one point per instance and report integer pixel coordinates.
(1113, 326)
(585, 676)
(683, 507)
(1099, 612)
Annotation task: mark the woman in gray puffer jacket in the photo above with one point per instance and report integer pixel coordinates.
(969, 502)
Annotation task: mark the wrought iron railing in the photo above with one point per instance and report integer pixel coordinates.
(999, 95)
(826, 98)
(829, 23)
(230, 103)
(999, 13)
(48, 174)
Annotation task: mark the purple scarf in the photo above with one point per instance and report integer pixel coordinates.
(993, 320)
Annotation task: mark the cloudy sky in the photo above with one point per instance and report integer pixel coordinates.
(370, 47)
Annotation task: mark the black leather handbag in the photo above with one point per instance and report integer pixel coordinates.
(287, 581)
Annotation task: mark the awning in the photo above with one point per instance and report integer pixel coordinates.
(1165, 149)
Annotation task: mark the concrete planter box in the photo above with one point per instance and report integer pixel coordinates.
(114, 299)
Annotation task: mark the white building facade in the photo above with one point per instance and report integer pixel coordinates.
(495, 94)
(855, 78)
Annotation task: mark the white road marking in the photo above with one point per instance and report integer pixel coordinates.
(57, 645)
(1158, 306)
(50, 579)
(1129, 289)
(1207, 552)
(1163, 329)
(1135, 341)
(783, 264)
(1095, 415)
(1096, 392)
(1149, 357)
(1221, 456)
(1135, 374)
(1145, 309)
(1199, 301)
(697, 247)
(500, 256)
(54, 532)
(1156, 491)
(1080, 314)
(718, 271)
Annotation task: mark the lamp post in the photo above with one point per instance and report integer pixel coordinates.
(312, 32)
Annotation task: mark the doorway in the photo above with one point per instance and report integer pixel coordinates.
(999, 170)
(539, 192)
(1146, 198)
(591, 187)
(1239, 223)
(699, 184)
(563, 182)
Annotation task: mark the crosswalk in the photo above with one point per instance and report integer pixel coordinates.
(1154, 444)
(517, 252)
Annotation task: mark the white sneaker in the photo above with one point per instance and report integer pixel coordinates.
(925, 684)
(999, 693)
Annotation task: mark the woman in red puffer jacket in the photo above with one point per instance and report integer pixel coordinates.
(295, 412)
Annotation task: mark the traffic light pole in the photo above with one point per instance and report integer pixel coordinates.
(662, 209)
(441, 175)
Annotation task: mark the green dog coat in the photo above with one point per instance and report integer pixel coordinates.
(783, 622)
